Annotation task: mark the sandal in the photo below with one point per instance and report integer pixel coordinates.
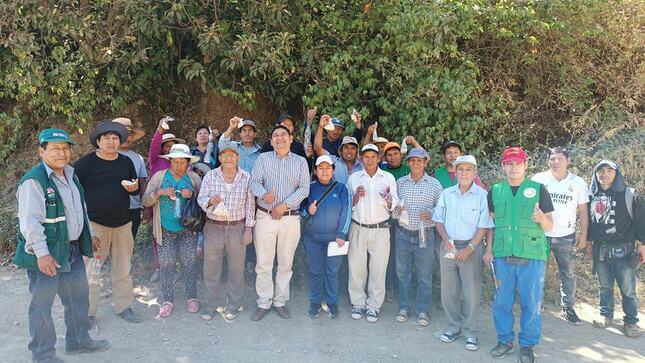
(603, 322)
(166, 309)
(632, 330)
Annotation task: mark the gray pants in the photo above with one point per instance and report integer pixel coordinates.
(220, 240)
(461, 285)
(562, 248)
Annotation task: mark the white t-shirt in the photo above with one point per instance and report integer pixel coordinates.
(566, 195)
(140, 167)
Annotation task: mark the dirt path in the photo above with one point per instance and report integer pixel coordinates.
(185, 338)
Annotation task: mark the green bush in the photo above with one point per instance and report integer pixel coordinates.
(488, 73)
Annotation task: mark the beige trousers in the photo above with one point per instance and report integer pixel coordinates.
(376, 243)
(274, 237)
(118, 243)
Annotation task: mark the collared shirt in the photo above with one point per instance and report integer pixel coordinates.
(341, 172)
(238, 198)
(566, 194)
(372, 208)
(287, 176)
(463, 213)
(417, 197)
(31, 210)
(248, 155)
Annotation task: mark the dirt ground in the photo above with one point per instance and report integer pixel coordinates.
(185, 338)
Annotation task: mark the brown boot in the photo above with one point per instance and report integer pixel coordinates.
(632, 330)
(283, 312)
(259, 314)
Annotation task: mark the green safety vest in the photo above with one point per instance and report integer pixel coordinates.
(444, 178)
(55, 224)
(515, 232)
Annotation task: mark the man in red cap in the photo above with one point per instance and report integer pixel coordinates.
(521, 209)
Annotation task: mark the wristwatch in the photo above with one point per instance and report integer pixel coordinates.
(472, 246)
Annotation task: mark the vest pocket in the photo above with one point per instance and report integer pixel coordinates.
(535, 245)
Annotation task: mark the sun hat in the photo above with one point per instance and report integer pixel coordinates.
(180, 151)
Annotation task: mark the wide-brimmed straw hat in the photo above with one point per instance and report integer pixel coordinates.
(180, 151)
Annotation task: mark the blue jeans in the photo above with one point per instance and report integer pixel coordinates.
(562, 248)
(323, 271)
(529, 281)
(407, 254)
(73, 292)
(620, 271)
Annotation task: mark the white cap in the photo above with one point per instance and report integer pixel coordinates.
(324, 159)
(369, 147)
(469, 159)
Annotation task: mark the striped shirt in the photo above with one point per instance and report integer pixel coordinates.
(421, 196)
(248, 155)
(238, 200)
(287, 176)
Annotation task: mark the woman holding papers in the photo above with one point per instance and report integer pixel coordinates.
(327, 216)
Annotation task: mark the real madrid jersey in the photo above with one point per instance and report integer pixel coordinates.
(566, 195)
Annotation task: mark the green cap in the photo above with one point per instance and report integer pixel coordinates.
(52, 135)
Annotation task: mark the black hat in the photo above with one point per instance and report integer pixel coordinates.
(106, 126)
(448, 144)
(283, 117)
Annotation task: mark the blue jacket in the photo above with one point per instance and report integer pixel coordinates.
(334, 214)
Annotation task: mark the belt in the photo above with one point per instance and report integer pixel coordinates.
(410, 232)
(227, 223)
(383, 224)
(287, 213)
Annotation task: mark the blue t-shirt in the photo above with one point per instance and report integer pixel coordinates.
(169, 221)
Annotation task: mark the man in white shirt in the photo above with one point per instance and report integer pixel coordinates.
(374, 197)
(570, 196)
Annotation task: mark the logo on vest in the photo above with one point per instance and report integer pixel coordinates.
(530, 192)
(51, 193)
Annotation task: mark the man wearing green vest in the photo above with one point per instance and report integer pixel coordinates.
(521, 209)
(447, 175)
(54, 236)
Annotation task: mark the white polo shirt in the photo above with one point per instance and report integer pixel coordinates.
(566, 195)
(371, 208)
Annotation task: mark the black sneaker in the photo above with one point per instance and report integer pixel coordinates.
(129, 316)
(90, 346)
(570, 316)
(526, 355)
(501, 350)
(333, 311)
(313, 311)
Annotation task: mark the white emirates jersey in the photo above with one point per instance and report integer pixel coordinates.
(566, 195)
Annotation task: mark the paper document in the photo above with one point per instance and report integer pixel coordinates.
(334, 250)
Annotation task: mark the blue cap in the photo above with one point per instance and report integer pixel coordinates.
(338, 122)
(53, 135)
(417, 152)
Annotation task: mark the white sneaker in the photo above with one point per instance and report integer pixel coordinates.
(371, 315)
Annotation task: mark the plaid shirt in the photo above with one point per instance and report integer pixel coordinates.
(421, 196)
(239, 201)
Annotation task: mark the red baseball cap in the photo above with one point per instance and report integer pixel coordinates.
(514, 153)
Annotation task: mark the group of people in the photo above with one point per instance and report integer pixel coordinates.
(359, 195)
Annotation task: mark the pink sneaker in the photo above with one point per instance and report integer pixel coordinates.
(165, 310)
(193, 305)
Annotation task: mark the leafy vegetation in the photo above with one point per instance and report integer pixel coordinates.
(488, 73)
